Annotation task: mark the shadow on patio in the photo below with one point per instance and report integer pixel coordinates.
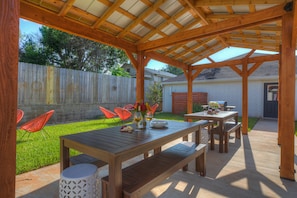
(250, 169)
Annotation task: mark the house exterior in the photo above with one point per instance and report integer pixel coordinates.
(149, 74)
(223, 84)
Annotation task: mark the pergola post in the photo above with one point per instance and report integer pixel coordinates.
(190, 90)
(279, 123)
(245, 97)
(287, 110)
(140, 77)
(9, 39)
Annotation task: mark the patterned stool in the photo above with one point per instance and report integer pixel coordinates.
(78, 181)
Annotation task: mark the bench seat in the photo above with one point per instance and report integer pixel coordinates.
(142, 176)
(229, 127)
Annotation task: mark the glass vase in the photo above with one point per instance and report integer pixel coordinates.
(138, 119)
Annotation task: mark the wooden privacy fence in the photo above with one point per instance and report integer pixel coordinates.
(75, 95)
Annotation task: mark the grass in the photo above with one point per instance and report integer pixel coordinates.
(34, 152)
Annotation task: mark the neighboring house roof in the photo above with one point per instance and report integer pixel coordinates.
(160, 73)
(266, 69)
(148, 72)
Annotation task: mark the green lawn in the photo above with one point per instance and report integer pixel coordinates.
(34, 152)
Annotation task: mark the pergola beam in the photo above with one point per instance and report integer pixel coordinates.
(263, 16)
(166, 59)
(202, 3)
(250, 60)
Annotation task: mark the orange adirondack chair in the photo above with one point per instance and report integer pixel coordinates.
(20, 115)
(154, 108)
(123, 114)
(107, 113)
(37, 124)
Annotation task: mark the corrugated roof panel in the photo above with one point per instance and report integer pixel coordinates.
(179, 50)
(155, 37)
(264, 6)
(154, 19)
(169, 29)
(198, 25)
(135, 7)
(187, 55)
(200, 49)
(218, 9)
(241, 9)
(140, 30)
(97, 8)
(171, 7)
(83, 4)
(191, 43)
(119, 19)
(185, 19)
(212, 42)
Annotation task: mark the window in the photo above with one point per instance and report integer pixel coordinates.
(272, 93)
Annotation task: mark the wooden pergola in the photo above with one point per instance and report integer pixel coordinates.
(179, 33)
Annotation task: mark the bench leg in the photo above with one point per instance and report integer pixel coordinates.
(201, 164)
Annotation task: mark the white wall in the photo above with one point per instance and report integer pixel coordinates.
(229, 90)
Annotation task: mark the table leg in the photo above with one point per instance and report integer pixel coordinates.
(64, 156)
(115, 178)
(221, 137)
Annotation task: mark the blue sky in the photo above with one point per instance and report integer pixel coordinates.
(28, 27)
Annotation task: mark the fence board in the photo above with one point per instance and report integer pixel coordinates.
(75, 95)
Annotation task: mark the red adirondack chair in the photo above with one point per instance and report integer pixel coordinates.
(108, 113)
(20, 115)
(37, 124)
(123, 114)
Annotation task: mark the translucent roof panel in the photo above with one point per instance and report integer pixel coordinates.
(119, 19)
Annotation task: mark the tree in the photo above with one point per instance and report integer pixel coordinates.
(68, 51)
(30, 52)
(119, 71)
(173, 70)
(155, 93)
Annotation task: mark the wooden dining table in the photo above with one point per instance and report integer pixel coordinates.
(219, 117)
(114, 147)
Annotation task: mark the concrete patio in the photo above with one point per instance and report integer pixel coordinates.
(250, 169)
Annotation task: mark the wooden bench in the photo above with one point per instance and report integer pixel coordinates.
(142, 176)
(229, 127)
(83, 158)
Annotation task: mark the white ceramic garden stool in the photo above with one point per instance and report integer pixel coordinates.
(78, 181)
